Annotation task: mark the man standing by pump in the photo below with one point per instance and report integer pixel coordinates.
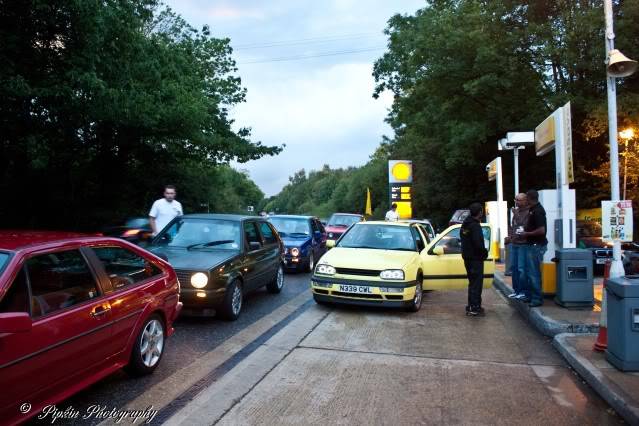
(535, 234)
(521, 291)
(474, 253)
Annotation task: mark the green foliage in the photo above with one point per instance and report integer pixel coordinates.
(465, 72)
(103, 102)
(326, 191)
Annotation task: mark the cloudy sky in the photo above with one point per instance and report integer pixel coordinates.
(307, 68)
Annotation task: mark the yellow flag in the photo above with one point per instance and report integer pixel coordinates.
(369, 210)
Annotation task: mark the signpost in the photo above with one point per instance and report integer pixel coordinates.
(616, 220)
(400, 180)
(555, 133)
(497, 211)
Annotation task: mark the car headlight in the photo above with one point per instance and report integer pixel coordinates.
(295, 252)
(392, 274)
(330, 235)
(199, 280)
(325, 270)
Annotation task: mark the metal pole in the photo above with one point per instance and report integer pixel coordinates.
(500, 184)
(616, 269)
(516, 154)
(625, 169)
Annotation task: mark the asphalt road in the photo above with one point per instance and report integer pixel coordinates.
(290, 361)
(194, 337)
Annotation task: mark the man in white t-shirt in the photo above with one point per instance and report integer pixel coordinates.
(164, 210)
(392, 215)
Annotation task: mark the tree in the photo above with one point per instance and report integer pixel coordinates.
(106, 101)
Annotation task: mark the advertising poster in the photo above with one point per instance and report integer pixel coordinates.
(616, 218)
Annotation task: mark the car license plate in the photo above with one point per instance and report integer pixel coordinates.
(360, 289)
(601, 261)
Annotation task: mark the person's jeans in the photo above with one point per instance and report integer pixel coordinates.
(475, 272)
(518, 255)
(509, 259)
(535, 257)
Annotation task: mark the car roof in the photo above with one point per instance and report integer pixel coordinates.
(347, 214)
(383, 222)
(232, 217)
(18, 239)
(292, 216)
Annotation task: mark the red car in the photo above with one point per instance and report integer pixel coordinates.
(74, 309)
(339, 223)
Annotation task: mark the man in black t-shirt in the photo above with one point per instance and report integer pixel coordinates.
(535, 234)
(474, 253)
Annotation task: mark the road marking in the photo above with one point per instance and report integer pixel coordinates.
(226, 392)
(163, 393)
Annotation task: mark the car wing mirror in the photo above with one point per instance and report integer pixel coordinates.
(330, 243)
(439, 250)
(253, 245)
(15, 322)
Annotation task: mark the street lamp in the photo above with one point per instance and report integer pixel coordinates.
(516, 141)
(617, 66)
(626, 135)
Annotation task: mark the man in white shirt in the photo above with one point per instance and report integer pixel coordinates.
(164, 210)
(392, 215)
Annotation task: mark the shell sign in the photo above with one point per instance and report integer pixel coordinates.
(400, 171)
(400, 179)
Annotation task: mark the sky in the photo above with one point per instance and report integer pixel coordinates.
(320, 107)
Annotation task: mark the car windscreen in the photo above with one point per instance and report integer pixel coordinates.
(291, 227)
(382, 237)
(4, 259)
(343, 220)
(193, 233)
(139, 222)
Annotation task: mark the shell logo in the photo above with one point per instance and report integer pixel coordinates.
(401, 171)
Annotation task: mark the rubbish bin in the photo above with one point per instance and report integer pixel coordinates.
(574, 278)
(623, 322)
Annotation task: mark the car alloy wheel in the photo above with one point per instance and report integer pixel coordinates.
(417, 301)
(152, 343)
(236, 301)
(280, 277)
(311, 262)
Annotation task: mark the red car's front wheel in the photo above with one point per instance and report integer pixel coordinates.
(148, 348)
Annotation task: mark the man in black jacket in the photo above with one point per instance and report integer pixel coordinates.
(474, 253)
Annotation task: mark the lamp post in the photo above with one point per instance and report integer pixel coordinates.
(516, 141)
(617, 66)
(626, 135)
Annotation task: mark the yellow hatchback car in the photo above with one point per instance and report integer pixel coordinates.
(391, 263)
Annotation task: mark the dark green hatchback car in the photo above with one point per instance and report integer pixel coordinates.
(218, 258)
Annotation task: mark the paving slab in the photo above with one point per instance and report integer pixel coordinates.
(439, 330)
(552, 319)
(331, 387)
(619, 389)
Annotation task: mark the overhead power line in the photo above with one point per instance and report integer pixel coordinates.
(318, 55)
(305, 41)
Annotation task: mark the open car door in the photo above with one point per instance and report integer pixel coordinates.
(443, 265)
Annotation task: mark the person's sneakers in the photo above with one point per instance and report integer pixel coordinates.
(520, 296)
(513, 295)
(535, 304)
(475, 312)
